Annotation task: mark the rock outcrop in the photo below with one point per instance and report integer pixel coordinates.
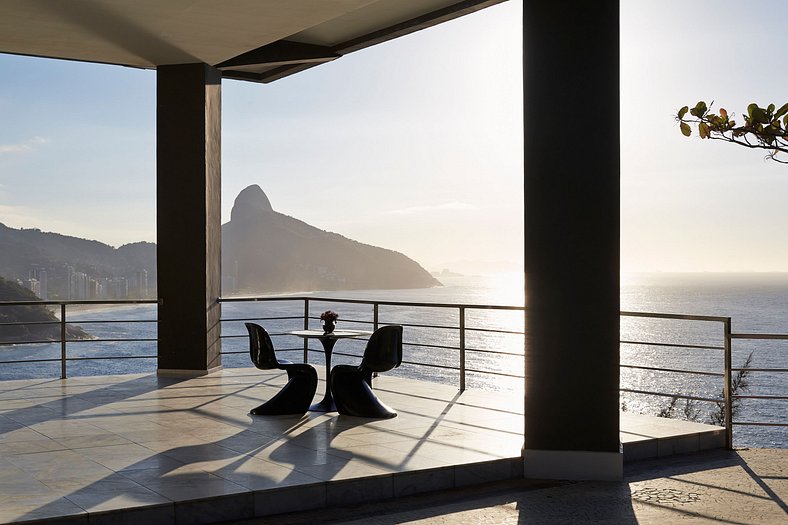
(264, 251)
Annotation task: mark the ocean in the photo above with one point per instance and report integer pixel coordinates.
(757, 303)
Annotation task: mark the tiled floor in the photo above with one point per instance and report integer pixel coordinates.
(166, 450)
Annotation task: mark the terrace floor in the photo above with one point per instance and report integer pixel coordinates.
(144, 449)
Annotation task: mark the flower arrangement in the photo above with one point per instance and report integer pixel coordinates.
(329, 315)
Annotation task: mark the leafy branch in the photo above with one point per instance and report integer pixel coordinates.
(763, 128)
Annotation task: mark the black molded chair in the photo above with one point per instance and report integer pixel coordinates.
(296, 396)
(352, 385)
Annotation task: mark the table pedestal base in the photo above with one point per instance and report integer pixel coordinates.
(325, 405)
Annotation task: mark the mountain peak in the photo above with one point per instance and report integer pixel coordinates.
(251, 203)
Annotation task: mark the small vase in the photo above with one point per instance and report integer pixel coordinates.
(328, 326)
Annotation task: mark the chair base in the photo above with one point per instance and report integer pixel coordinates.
(295, 396)
(354, 396)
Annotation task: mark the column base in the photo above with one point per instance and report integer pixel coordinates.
(573, 464)
(175, 372)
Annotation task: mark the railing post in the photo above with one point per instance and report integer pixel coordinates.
(727, 392)
(462, 349)
(375, 314)
(62, 340)
(306, 327)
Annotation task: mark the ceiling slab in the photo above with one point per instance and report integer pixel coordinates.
(250, 39)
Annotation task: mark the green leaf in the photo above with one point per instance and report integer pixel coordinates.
(685, 129)
(699, 110)
(770, 109)
(759, 115)
(723, 113)
(703, 130)
(782, 111)
(683, 111)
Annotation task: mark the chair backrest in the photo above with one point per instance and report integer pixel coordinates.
(384, 350)
(261, 349)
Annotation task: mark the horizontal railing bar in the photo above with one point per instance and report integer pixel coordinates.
(258, 318)
(760, 336)
(365, 301)
(494, 373)
(759, 424)
(495, 352)
(30, 361)
(99, 358)
(246, 336)
(742, 396)
(673, 345)
(431, 365)
(493, 330)
(142, 340)
(83, 302)
(424, 345)
(416, 325)
(444, 367)
(110, 321)
(657, 369)
(759, 369)
(443, 327)
(680, 317)
(343, 319)
(234, 352)
(34, 342)
(25, 323)
(680, 396)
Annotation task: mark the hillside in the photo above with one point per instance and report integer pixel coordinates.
(264, 251)
(10, 291)
(25, 252)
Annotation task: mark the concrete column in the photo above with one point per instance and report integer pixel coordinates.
(572, 239)
(188, 217)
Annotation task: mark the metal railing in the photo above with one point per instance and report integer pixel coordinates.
(373, 318)
(61, 309)
(729, 398)
(371, 314)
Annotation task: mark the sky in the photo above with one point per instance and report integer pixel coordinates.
(416, 144)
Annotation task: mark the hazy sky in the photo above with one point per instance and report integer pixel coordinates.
(416, 144)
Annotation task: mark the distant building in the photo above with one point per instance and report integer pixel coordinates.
(39, 274)
(33, 285)
(42, 281)
(119, 288)
(140, 285)
(79, 285)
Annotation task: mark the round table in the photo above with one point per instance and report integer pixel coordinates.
(328, 340)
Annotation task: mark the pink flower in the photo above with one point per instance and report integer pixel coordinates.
(329, 315)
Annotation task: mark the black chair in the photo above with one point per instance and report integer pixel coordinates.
(352, 385)
(296, 396)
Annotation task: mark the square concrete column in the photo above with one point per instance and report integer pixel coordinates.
(572, 239)
(188, 217)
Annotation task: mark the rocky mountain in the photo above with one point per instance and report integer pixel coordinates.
(264, 251)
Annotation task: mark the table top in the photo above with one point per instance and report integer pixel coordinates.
(336, 334)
